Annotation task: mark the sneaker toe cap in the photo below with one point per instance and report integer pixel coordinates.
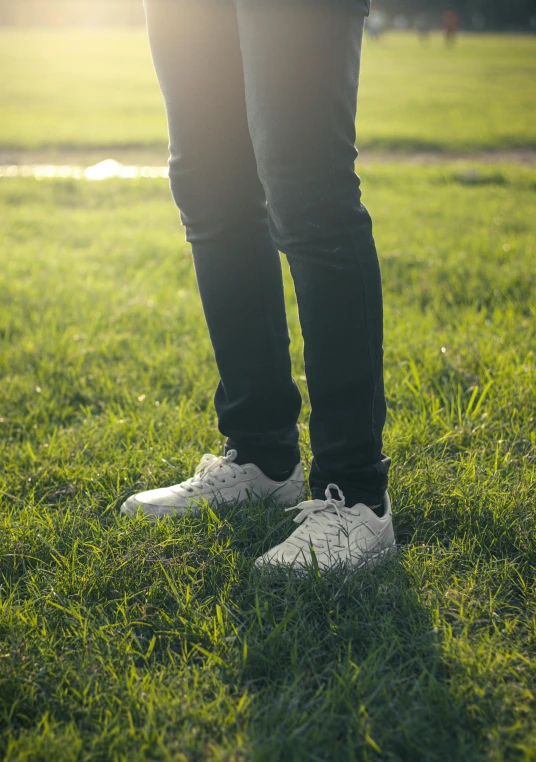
(155, 503)
(281, 556)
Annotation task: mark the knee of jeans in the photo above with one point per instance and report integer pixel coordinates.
(201, 216)
(320, 219)
(213, 206)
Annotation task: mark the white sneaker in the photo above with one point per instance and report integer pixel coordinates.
(337, 535)
(216, 480)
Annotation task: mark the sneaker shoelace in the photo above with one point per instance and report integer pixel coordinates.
(320, 513)
(212, 469)
(330, 516)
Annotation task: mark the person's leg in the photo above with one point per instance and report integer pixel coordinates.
(301, 63)
(214, 181)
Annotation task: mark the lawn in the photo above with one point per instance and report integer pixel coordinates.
(94, 88)
(123, 640)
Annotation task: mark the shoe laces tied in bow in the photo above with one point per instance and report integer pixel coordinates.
(212, 468)
(311, 507)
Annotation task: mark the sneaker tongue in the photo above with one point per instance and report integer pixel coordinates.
(205, 461)
(210, 466)
(314, 506)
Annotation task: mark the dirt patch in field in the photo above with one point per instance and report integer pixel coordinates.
(157, 156)
(81, 156)
(425, 158)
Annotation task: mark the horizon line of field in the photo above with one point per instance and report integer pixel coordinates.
(111, 168)
(103, 170)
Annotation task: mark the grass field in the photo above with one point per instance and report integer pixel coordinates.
(122, 640)
(126, 641)
(98, 88)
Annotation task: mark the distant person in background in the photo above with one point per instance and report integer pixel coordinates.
(423, 27)
(451, 25)
(261, 99)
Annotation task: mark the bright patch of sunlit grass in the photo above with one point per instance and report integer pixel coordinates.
(98, 88)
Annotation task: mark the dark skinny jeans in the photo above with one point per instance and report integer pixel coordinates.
(261, 100)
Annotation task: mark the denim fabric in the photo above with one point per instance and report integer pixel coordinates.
(261, 99)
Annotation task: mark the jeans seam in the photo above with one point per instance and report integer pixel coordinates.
(258, 286)
(334, 185)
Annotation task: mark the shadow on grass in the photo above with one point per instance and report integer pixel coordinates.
(156, 640)
(343, 665)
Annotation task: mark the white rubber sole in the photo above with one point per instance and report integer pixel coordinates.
(370, 560)
(286, 496)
